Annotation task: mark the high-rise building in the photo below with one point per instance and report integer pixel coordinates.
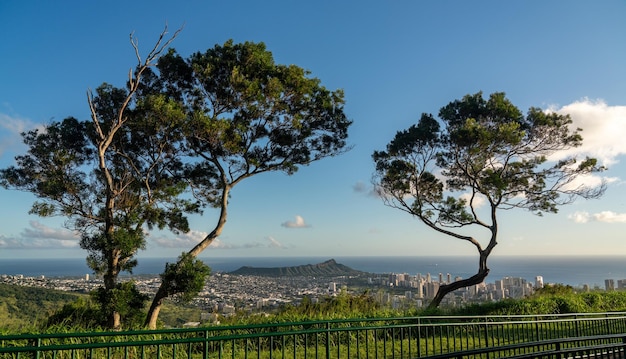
(538, 282)
(609, 284)
(332, 287)
(420, 289)
(431, 289)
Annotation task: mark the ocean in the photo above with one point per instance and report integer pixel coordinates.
(571, 270)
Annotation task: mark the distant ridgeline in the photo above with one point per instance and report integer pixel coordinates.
(330, 268)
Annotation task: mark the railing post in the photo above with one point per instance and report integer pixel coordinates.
(327, 340)
(537, 329)
(38, 345)
(487, 335)
(419, 337)
(205, 355)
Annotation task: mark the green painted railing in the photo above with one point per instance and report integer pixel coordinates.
(405, 337)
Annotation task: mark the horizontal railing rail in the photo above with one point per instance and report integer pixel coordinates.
(599, 346)
(400, 337)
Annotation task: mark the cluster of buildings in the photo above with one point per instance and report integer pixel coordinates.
(424, 288)
(226, 293)
(609, 284)
(223, 293)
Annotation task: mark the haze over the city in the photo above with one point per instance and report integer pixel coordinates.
(394, 60)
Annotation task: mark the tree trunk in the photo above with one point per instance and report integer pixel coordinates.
(157, 301)
(155, 308)
(115, 322)
(477, 278)
(110, 282)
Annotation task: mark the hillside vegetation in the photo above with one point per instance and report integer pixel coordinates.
(551, 300)
(22, 308)
(25, 309)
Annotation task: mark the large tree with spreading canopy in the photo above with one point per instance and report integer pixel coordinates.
(112, 176)
(482, 151)
(244, 115)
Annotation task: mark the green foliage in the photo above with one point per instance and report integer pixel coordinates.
(488, 149)
(342, 306)
(124, 299)
(111, 176)
(82, 313)
(556, 289)
(247, 115)
(24, 308)
(559, 299)
(185, 278)
(244, 115)
(346, 306)
(37, 309)
(174, 314)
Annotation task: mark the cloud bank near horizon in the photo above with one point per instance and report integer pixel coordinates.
(604, 217)
(40, 236)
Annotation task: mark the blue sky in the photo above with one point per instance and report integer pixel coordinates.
(394, 60)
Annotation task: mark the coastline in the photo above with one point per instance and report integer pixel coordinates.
(571, 270)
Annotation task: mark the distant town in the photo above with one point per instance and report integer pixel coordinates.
(224, 293)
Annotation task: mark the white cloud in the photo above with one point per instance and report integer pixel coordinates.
(41, 231)
(274, 243)
(604, 217)
(579, 217)
(479, 200)
(11, 243)
(10, 130)
(298, 223)
(185, 240)
(40, 236)
(190, 239)
(610, 217)
(219, 244)
(604, 130)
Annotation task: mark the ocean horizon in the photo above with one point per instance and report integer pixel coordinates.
(570, 270)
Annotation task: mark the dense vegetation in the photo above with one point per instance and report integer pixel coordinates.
(25, 309)
(22, 307)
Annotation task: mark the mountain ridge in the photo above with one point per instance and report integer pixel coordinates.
(329, 268)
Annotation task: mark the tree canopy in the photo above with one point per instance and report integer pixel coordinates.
(112, 176)
(244, 115)
(482, 150)
(198, 125)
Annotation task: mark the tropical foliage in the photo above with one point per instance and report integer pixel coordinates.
(482, 152)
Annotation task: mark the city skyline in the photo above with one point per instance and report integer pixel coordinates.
(393, 60)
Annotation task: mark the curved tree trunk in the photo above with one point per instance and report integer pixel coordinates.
(162, 292)
(477, 278)
(155, 308)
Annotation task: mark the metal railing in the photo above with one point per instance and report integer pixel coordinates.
(405, 337)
